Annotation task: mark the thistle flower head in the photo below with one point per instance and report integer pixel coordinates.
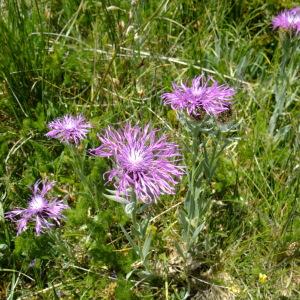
(203, 95)
(39, 210)
(288, 20)
(69, 129)
(143, 162)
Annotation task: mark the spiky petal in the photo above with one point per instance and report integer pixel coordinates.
(69, 129)
(143, 162)
(39, 210)
(288, 20)
(203, 95)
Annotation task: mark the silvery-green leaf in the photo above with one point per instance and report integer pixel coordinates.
(1, 213)
(146, 246)
(113, 196)
(3, 247)
(128, 275)
(129, 208)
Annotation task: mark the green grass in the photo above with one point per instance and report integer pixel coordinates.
(111, 61)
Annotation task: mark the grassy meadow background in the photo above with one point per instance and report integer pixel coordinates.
(111, 61)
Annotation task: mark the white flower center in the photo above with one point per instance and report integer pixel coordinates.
(135, 157)
(37, 203)
(198, 91)
(69, 125)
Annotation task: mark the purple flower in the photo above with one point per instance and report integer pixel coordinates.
(143, 162)
(39, 210)
(204, 95)
(288, 19)
(69, 129)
